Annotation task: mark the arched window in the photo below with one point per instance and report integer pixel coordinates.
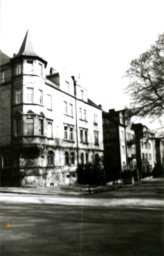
(66, 158)
(50, 158)
(82, 158)
(72, 158)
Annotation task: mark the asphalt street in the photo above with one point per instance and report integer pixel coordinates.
(128, 221)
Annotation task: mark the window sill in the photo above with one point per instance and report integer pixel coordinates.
(83, 120)
(68, 115)
(71, 141)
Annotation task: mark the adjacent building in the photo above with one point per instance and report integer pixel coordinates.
(48, 126)
(119, 144)
(149, 149)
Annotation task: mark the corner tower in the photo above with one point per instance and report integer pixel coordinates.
(28, 113)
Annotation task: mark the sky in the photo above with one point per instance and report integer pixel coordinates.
(96, 39)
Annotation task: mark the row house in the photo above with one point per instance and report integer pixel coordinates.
(48, 126)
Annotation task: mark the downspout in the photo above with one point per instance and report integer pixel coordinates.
(77, 137)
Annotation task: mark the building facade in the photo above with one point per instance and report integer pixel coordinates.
(119, 144)
(48, 126)
(149, 149)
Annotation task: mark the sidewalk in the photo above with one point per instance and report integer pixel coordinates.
(76, 189)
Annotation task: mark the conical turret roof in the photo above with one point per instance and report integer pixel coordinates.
(27, 47)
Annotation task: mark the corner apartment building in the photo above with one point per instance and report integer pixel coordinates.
(48, 126)
(119, 144)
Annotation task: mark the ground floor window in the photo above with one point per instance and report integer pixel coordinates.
(66, 158)
(82, 158)
(6, 159)
(72, 158)
(50, 158)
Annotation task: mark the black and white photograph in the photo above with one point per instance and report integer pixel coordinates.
(81, 127)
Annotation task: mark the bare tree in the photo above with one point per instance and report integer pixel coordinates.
(146, 87)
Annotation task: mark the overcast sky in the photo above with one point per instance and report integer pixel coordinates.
(96, 38)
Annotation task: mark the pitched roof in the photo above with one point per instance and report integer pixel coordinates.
(27, 47)
(4, 59)
(94, 104)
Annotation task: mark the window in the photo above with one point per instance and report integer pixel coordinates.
(95, 119)
(41, 126)
(143, 156)
(81, 136)
(96, 139)
(5, 160)
(50, 158)
(29, 62)
(65, 108)
(80, 113)
(49, 130)
(18, 69)
(97, 159)
(68, 87)
(72, 158)
(40, 97)
(65, 132)
(87, 158)
(71, 133)
(29, 66)
(30, 95)
(18, 96)
(82, 94)
(41, 69)
(49, 101)
(121, 118)
(68, 132)
(18, 127)
(149, 156)
(66, 158)
(2, 76)
(85, 115)
(86, 136)
(71, 109)
(82, 158)
(30, 126)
